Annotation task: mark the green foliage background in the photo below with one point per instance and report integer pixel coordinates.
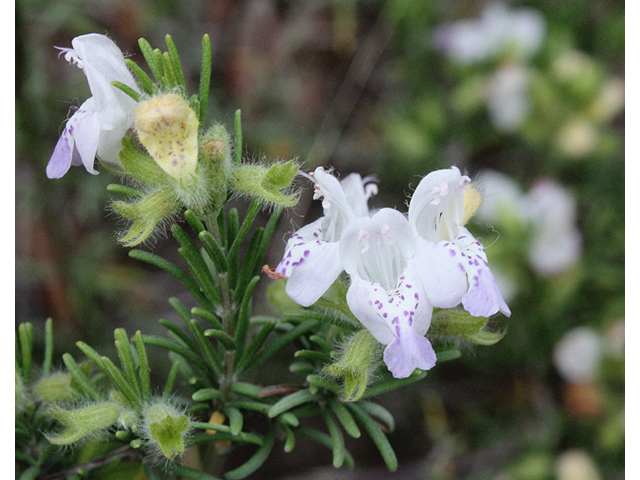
(356, 85)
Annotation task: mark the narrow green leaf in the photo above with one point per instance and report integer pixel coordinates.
(123, 348)
(208, 316)
(448, 355)
(169, 75)
(205, 79)
(127, 89)
(209, 353)
(278, 345)
(120, 382)
(143, 359)
(226, 339)
(145, 83)
(346, 419)
(485, 338)
(376, 434)
(380, 413)
(248, 270)
(92, 354)
(196, 224)
(48, 347)
(187, 472)
(291, 401)
(290, 439)
(167, 344)
(256, 461)
(25, 334)
(246, 389)
(80, 377)
(337, 439)
(236, 420)
(254, 346)
(214, 250)
(324, 439)
(205, 394)
(170, 268)
(392, 384)
(171, 378)
(150, 57)
(174, 58)
(181, 335)
(243, 319)
(123, 190)
(180, 308)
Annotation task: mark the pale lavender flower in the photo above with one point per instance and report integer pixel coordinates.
(453, 264)
(312, 258)
(385, 292)
(99, 124)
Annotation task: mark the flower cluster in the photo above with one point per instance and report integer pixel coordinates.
(400, 266)
(151, 134)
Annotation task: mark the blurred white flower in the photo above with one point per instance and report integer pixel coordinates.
(549, 211)
(517, 33)
(577, 355)
(520, 30)
(508, 99)
(501, 197)
(557, 243)
(576, 465)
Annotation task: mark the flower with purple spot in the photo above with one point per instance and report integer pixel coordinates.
(385, 294)
(453, 264)
(311, 258)
(99, 124)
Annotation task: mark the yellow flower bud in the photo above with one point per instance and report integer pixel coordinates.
(168, 129)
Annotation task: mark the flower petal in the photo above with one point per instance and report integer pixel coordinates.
(483, 298)
(312, 264)
(60, 160)
(441, 272)
(436, 208)
(408, 352)
(398, 318)
(86, 133)
(103, 63)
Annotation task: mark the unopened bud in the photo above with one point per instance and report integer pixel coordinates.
(54, 388)
(83, 421)
(359, 359)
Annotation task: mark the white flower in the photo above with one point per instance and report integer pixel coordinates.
(508, 100)
(312, 258)
(556, 242)
(497, 29)
(101, 121)
(385, 293)
(453, 264)
(577, 355)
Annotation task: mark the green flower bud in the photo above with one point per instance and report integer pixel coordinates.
(266, 183)
(460, 323)
(360, 358)
(168, 129)
(166, 427)
(83, 421)
(147, 214)
(54, 388)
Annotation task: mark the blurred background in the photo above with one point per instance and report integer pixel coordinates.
(526, 97)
